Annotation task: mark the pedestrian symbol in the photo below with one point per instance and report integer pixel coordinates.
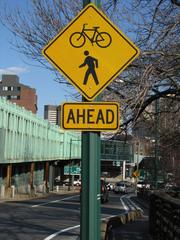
(90, 52)
(89, 61)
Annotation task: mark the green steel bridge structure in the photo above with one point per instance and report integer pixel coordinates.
(33, 151)
(30, 147)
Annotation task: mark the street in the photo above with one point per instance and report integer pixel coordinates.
(56, 217)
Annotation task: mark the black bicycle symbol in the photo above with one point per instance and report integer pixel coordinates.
(102, 39)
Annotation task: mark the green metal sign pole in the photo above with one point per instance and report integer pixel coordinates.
(90, 179)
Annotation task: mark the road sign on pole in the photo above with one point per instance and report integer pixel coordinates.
(94, 116)
(90, 52)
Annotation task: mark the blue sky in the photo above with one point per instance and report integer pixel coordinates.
(11, 62)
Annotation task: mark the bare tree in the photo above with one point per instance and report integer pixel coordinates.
(152, 25)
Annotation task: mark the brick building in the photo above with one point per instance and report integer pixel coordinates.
(18, 93)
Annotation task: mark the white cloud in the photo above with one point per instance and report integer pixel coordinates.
(13, 70)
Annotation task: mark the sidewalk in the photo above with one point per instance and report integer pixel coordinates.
(137, 230)
(23, 196)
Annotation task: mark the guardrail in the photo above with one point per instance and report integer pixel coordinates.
(164, 217)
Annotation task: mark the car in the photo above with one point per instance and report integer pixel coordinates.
(57, 181)
(109, 186)
(66, 182)
(124, 187)
(104, 192)
(77, 182)
(142, 184)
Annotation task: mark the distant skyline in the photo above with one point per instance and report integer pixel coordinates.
(48, 91)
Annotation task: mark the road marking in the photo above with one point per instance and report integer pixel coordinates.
(55, 201)
(136, 206)
(68, 229)
(61, 231)
(133, 205)
(77, 226)
(123, 204)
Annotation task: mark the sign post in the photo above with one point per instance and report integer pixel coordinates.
(90, 52)
(90, 180)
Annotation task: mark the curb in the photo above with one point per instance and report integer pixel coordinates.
(108, 225)
(24, 197)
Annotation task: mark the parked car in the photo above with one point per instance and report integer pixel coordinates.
(124, 187)
(109, 186)
(77, 182)
(104, 192)
(57, 181)
(142, 184)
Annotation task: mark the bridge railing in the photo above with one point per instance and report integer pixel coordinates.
(164, 216)
(25, 137)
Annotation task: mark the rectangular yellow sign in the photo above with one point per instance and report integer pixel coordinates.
(90, 116)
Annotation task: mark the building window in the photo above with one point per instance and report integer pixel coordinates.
(5, 88)
(18, 88)
(10, 88)
(15, 97)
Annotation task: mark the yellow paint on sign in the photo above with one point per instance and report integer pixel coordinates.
(85, 116)
(136, 173)
(91, 51)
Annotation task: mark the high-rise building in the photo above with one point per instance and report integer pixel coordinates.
(52, 114)
(18, 93)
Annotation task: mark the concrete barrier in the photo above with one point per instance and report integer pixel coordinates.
(13, 191)
(2, 191)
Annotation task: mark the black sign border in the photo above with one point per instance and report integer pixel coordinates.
(66, 75)
(90, 103)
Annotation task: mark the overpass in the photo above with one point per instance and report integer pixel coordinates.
(33, 151)
(30, 147)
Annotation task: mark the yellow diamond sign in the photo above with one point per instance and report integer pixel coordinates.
(90, 51)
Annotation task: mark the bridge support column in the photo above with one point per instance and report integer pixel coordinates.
(46, 176)
(31, 180)
(9, 175)
(51, 177)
